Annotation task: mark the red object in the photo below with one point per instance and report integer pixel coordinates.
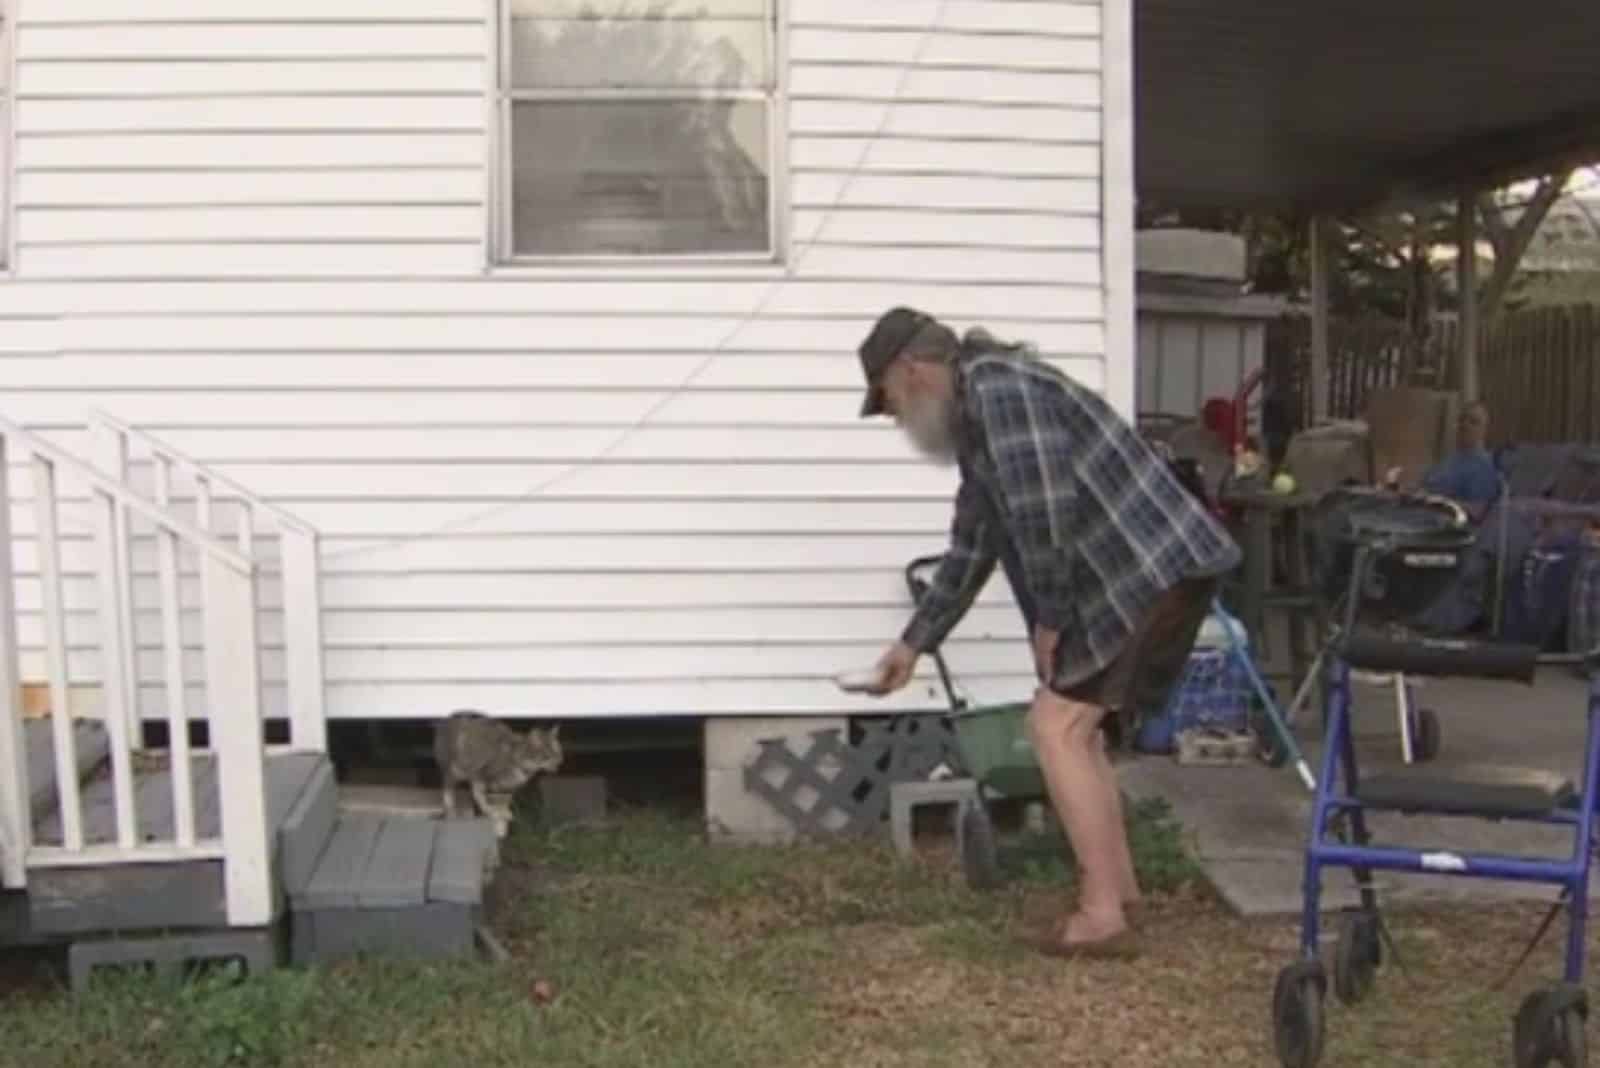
(1220, 416)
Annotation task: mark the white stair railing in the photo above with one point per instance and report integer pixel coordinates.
(232, 658)
(176, 474)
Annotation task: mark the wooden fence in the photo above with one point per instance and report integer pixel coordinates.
(1540, 373)
(1540, 368)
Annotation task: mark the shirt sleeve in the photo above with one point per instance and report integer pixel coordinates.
(966, 566)
(1031, 451)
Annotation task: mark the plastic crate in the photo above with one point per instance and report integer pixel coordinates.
(1214, 693)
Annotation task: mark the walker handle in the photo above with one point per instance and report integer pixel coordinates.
(1370, 649)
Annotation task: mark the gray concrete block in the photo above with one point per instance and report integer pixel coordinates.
(732, 813)
(256, 948)
(906, 797)
(568, 799)
(731, 742)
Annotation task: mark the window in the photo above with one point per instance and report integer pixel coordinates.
(636, 128)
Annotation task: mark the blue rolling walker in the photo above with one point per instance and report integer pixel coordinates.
(1404, 549)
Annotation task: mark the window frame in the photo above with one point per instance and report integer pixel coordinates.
(500, 246)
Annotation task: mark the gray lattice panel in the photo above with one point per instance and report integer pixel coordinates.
(832, 786)
(915, 746)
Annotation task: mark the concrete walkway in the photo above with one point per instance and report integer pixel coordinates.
(1250, 823)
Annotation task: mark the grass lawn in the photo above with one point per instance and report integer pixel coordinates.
(640, 945)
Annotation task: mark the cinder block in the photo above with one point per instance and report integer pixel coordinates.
(568, 799)
(256, 948)
(732, 812)
(731, 742)
(904, 797)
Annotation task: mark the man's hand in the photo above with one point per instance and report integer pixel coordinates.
(1044, 652)
(894, 669)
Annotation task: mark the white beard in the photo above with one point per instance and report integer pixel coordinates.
(930, 426)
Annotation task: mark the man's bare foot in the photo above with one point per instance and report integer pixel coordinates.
(1083, 935)
(1085, 927)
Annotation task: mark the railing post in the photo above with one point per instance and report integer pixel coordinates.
(233, 691)
(114, 652)
(302, 626)
(167, 561)
(47, 536)
(111, 447)
(16, 829)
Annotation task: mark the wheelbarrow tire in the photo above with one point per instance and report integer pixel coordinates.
(980, 858)
(1357, 955)
(1297, 1014)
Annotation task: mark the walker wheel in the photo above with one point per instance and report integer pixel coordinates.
(1425, 735)
(980, 859)
(1356, 957)
(1548, 1029)
(1297, 1021)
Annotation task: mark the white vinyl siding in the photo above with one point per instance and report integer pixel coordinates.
(272, 253)
(7, 72)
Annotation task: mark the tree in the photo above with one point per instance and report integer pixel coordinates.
(1510, 235)
(1392, 262)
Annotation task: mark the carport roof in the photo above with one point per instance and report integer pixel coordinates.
(1335, 104)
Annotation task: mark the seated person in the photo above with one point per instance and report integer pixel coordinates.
(1468, 476)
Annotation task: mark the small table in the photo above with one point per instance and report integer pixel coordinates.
(1264, 514)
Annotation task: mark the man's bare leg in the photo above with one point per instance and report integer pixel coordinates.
(1066, 739)
(1127, 880)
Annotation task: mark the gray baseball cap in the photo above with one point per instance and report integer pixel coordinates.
(894, 330)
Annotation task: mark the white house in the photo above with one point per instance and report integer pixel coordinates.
(543, 314)
(546, 321)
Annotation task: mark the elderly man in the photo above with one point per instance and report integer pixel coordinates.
(1113, 563)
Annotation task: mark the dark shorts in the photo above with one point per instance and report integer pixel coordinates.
(1139, 682)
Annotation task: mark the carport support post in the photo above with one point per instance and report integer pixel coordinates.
(1321, 268)
(1467, 293)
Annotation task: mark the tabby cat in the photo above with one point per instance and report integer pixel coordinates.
(493, 760)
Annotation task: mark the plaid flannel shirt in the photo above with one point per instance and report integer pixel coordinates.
(1099, 524)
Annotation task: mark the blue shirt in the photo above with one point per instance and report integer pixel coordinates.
(1467, 476)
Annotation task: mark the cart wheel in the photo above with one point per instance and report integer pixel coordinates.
(1297, 1022)
(980, 860)
(1356, 957)
(1425, 735)
(1548, 1029)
